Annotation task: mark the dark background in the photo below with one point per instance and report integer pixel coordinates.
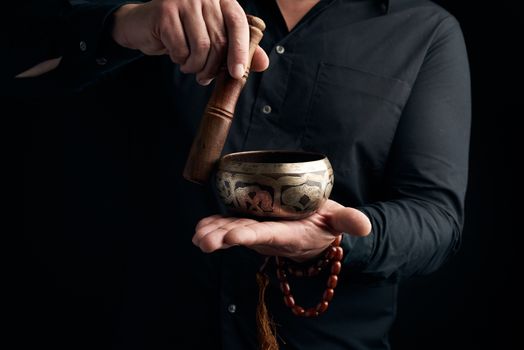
(470, 303)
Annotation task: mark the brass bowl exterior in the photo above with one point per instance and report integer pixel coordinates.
(280, 190)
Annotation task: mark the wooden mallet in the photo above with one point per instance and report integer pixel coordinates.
(218, 115)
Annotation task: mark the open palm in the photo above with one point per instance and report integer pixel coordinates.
(299, 240)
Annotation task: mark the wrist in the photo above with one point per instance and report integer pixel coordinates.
(120, 19)
(313, 265)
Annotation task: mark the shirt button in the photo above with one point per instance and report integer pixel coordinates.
(266, 109)
(232, 308)
(83, 46)
(280, 49)
(101, 61)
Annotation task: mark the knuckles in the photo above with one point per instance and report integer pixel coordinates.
(219, 42)
(166, 7)
(237, 18)
(178, 4)
(233, 12)
(164, 15)
(202, 45)
(180, 56)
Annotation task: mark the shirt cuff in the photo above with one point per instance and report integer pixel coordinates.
(358, 250)
(90, 52)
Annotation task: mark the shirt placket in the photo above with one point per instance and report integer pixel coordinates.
(264, 131)
(267, 128)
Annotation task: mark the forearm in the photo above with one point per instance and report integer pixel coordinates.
(409, 237)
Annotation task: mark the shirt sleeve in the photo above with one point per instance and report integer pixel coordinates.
(419, 223)
(76, 30)
(89, 50)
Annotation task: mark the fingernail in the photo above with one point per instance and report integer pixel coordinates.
(238, 71)
(204, 82)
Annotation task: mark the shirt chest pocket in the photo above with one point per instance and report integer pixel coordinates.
(352, 117)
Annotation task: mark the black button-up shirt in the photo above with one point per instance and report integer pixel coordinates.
(380, 87)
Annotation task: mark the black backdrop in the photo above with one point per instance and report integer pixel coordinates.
(470, 303)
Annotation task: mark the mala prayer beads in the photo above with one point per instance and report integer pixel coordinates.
(333, 255)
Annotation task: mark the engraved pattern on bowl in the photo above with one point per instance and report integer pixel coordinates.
(293, 186)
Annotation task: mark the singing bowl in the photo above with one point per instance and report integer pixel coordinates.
(274, 184)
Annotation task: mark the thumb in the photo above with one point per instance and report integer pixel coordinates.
(260, 60)
(349, 220)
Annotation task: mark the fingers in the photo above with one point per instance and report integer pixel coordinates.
(261, 233)
(301, 239)
(217, 35)
(260, 61)
(173, 38)
(210, 232)
(349, 220)
(198, 39)
(298, 239)
(203, 229)
(205, 27)
(238, 37)
(198, 35)
(207, 221)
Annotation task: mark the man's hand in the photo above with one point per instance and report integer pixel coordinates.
(299, 240)
(197, 34)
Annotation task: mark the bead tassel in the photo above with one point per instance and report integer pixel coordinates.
(266, 327)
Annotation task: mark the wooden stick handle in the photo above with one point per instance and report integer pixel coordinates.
(218, 115)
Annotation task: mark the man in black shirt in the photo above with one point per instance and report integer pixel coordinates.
(380, 87)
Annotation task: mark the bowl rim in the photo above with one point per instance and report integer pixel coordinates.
(228, 163)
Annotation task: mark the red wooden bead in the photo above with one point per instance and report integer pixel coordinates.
(281, 275)
(328, 294)
(336, 267)
(289, 301)
(311, 312)
(331, 252)
(339, 253)
(297, 310)
(284, 287)
(322, 306)
(332, 281)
